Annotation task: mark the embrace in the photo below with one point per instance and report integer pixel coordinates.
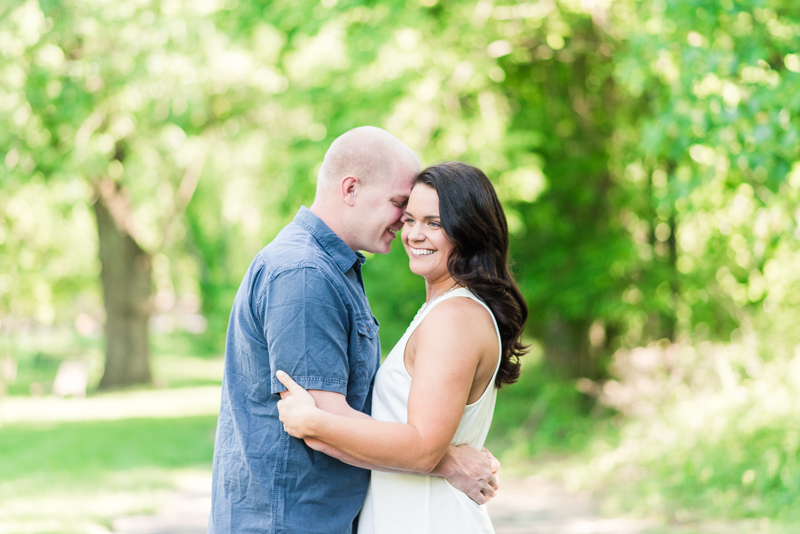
(313, 437)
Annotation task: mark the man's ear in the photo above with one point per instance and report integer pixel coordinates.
(349, 186)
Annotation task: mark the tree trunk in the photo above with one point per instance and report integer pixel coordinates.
(567, 348)
(127, 287)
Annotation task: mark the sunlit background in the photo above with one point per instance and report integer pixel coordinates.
(646, 153)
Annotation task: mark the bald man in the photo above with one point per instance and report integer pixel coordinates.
(301, 308)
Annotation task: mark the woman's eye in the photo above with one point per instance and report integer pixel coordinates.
(434, 224)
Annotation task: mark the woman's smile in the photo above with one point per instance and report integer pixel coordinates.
(424, 238)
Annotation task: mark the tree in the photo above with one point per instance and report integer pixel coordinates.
(643, 151)
(92, 112)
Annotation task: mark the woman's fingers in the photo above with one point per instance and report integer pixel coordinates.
(296, 409)
(290, 384)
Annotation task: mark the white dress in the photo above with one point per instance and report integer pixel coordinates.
(415, 504)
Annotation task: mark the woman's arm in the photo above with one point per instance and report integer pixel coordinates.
(473, 472)
(447, 357)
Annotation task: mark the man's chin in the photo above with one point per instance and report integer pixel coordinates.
(388, 244)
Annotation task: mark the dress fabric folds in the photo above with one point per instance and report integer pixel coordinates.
(403, 504)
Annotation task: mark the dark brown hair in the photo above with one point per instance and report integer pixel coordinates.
(475, 224)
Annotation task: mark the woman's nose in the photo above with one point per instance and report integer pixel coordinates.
(415, 234)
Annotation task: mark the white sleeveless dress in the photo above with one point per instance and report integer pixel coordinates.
(416, 504)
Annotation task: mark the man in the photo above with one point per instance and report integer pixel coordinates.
(302, 308)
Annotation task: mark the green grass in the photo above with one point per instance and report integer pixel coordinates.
(76, 450)
(735, 473)
(75, 476)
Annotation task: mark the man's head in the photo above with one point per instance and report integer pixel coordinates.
(363, 186)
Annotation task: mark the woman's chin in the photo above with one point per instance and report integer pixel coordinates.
(414, 268)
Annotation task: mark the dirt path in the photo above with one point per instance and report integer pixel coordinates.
(534, 506)
(524, 506)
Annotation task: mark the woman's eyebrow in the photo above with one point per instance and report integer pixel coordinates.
(424, 218)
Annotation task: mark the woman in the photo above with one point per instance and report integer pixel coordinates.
(438, 385)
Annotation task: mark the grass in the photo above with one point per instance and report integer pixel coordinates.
(73, 465)
(76, 451)
(74, 474)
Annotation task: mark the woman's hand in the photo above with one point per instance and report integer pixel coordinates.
(297, 410)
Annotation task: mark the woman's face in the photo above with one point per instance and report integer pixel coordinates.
(426, 244)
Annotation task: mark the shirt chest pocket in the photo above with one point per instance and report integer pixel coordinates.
(368, 348)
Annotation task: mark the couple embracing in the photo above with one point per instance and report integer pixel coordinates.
(307, 415)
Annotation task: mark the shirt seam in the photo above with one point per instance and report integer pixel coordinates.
(297, 267)
(317, 379)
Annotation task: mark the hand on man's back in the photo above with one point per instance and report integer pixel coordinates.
(471, 471)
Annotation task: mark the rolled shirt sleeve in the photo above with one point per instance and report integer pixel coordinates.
(306, 327)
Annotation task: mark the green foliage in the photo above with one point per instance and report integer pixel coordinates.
(394, 294)
(542, 415)
(710, 431)
(643, 151)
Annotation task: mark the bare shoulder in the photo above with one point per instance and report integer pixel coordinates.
(461, 316)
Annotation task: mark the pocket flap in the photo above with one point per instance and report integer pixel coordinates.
(367, 325)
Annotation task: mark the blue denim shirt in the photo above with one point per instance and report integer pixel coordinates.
(301, 308)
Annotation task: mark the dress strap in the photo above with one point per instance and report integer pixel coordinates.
(465, 292)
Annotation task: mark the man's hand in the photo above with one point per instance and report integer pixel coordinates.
(472, 471)
(495, 466)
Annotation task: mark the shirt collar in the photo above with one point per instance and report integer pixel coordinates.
(342, 254)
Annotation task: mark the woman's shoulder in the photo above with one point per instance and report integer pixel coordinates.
(461, 313)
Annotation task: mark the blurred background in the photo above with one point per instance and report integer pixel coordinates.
(646, 153)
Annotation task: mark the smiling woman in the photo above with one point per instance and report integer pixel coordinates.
(423, 237)
(473, 221)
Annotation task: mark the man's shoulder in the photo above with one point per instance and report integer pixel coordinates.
(293, 248)
(294, 252)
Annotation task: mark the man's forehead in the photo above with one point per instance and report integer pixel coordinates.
(400, 187)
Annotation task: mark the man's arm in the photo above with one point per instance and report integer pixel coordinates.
(467, 469)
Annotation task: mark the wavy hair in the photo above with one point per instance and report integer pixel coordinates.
(476, 226)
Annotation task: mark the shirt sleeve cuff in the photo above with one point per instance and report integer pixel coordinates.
(313, 382)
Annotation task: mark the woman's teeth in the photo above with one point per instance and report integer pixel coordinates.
(421, 251)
